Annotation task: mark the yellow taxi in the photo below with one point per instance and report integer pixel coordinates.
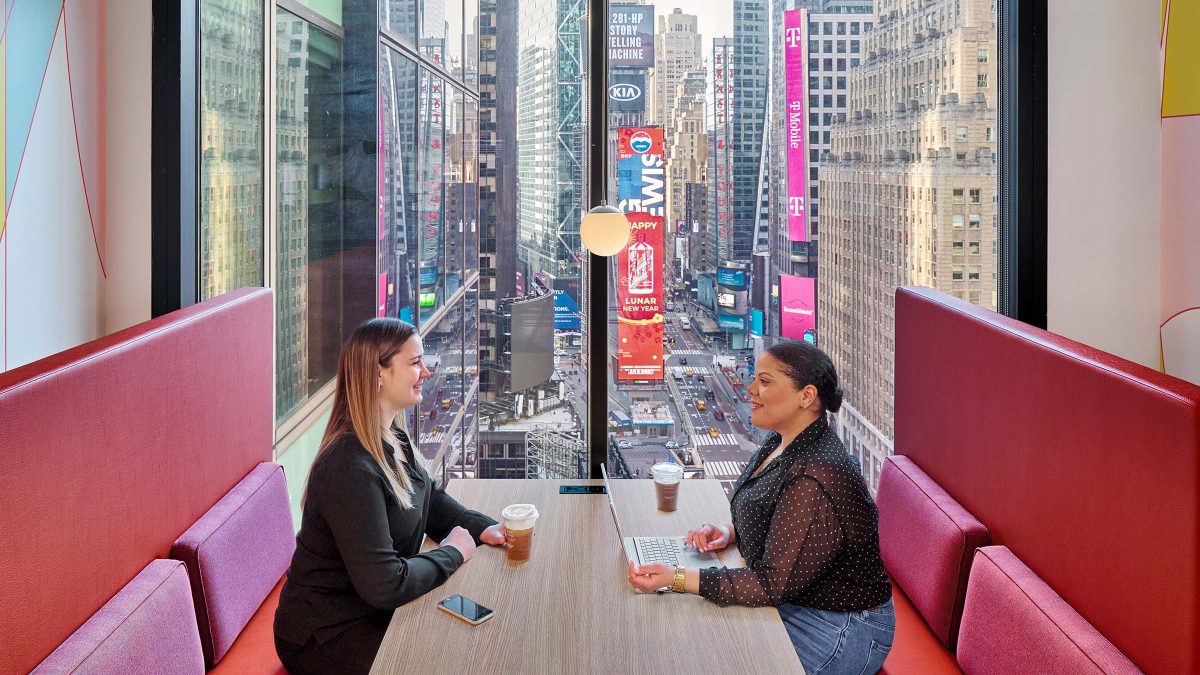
(712, 431)
(701, 405)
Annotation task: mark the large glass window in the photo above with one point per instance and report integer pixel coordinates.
(312, 250)
(777, 223)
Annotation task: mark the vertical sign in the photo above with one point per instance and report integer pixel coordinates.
(630, 36)
(723, 130)
(640, 265)
(798, 307)
(795, 45)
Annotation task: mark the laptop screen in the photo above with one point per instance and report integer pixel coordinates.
(611, 505)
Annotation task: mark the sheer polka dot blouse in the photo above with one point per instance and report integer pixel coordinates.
(808, 529)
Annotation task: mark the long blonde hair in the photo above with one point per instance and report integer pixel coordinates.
(356, 399)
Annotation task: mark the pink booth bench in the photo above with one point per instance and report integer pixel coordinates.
(149, 444)
(1042, 511)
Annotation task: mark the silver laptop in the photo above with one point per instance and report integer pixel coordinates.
(669, 550)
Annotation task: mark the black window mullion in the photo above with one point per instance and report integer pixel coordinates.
(597, 157)
(1021, 194)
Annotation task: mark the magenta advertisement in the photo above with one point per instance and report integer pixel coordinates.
(798, 307)
(794, 46)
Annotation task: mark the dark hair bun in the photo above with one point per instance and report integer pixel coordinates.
(834, 401)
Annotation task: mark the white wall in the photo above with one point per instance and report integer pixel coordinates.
(1104, 175)
(128, 26)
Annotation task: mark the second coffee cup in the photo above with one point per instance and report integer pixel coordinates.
(666, 484)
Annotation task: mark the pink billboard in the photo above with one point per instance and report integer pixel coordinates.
(798, 307)
(795, 44)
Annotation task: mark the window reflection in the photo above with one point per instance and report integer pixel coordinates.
(311, 242)
(231, 146)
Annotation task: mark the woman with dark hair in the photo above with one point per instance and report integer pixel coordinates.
(805, 523)
(368, 505)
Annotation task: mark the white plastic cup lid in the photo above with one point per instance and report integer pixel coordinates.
(519, 516)
(666, 472)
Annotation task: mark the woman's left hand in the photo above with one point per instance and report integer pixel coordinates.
(651, 576)
(494, 535)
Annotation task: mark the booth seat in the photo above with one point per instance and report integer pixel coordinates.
(236, 556)
(1083, 465)
(927, 540)
(147, 627)
(1014, 623)
(114, 448)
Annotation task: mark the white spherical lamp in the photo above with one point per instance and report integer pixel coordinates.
(604, 230)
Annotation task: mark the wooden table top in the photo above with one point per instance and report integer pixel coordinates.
(570, 608)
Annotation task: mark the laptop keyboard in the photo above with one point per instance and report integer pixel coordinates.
(660, 549)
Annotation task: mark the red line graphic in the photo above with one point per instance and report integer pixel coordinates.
(78, 150)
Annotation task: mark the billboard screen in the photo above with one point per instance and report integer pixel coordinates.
(566, 304)
(532, 342)
(630, 36)
(640, 300)
(795, 43)
(641, 171)
(756, 322)
(798, 307)
(627, 92)
(731, 277)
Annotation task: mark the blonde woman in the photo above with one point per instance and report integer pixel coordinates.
(368, 505)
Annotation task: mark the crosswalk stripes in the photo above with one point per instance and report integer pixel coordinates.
(433, 439)
(723, 470)
(721, 439)
(678, 370)
(686, 352)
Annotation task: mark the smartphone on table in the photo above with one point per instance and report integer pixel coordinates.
(465, 609)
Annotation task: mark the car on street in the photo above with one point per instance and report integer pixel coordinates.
(701, 405)
(718, 415)
(683, 361)
(712, 431)
(560, 352)
(672, 445)
(710, 395)
(624, 444)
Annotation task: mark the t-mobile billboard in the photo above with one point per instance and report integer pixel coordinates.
(795, 43)
(798, 307)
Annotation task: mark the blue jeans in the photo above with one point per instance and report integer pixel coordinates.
(833, 643)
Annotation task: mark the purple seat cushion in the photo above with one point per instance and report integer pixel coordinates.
(235, 554)
(1014, 623)
(147, 627)
(927, 540)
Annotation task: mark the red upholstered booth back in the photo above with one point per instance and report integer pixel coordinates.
(1085, 465)
(114, 448)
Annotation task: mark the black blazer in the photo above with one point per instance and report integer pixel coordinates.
(358, 550)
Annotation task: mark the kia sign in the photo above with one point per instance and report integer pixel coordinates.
(798, 307)
(627, 92)
(631, 36)
(795, 43)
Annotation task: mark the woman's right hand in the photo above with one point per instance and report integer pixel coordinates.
(709, 537)
(462, 540)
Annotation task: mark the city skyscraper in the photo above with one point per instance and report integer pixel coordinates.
(550, 137)
(687, 156)
(907, 194)
(678, 50)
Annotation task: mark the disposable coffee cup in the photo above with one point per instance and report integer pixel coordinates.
(666, 484)
(518, 530)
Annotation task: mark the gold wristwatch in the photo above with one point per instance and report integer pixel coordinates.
(677, 585)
